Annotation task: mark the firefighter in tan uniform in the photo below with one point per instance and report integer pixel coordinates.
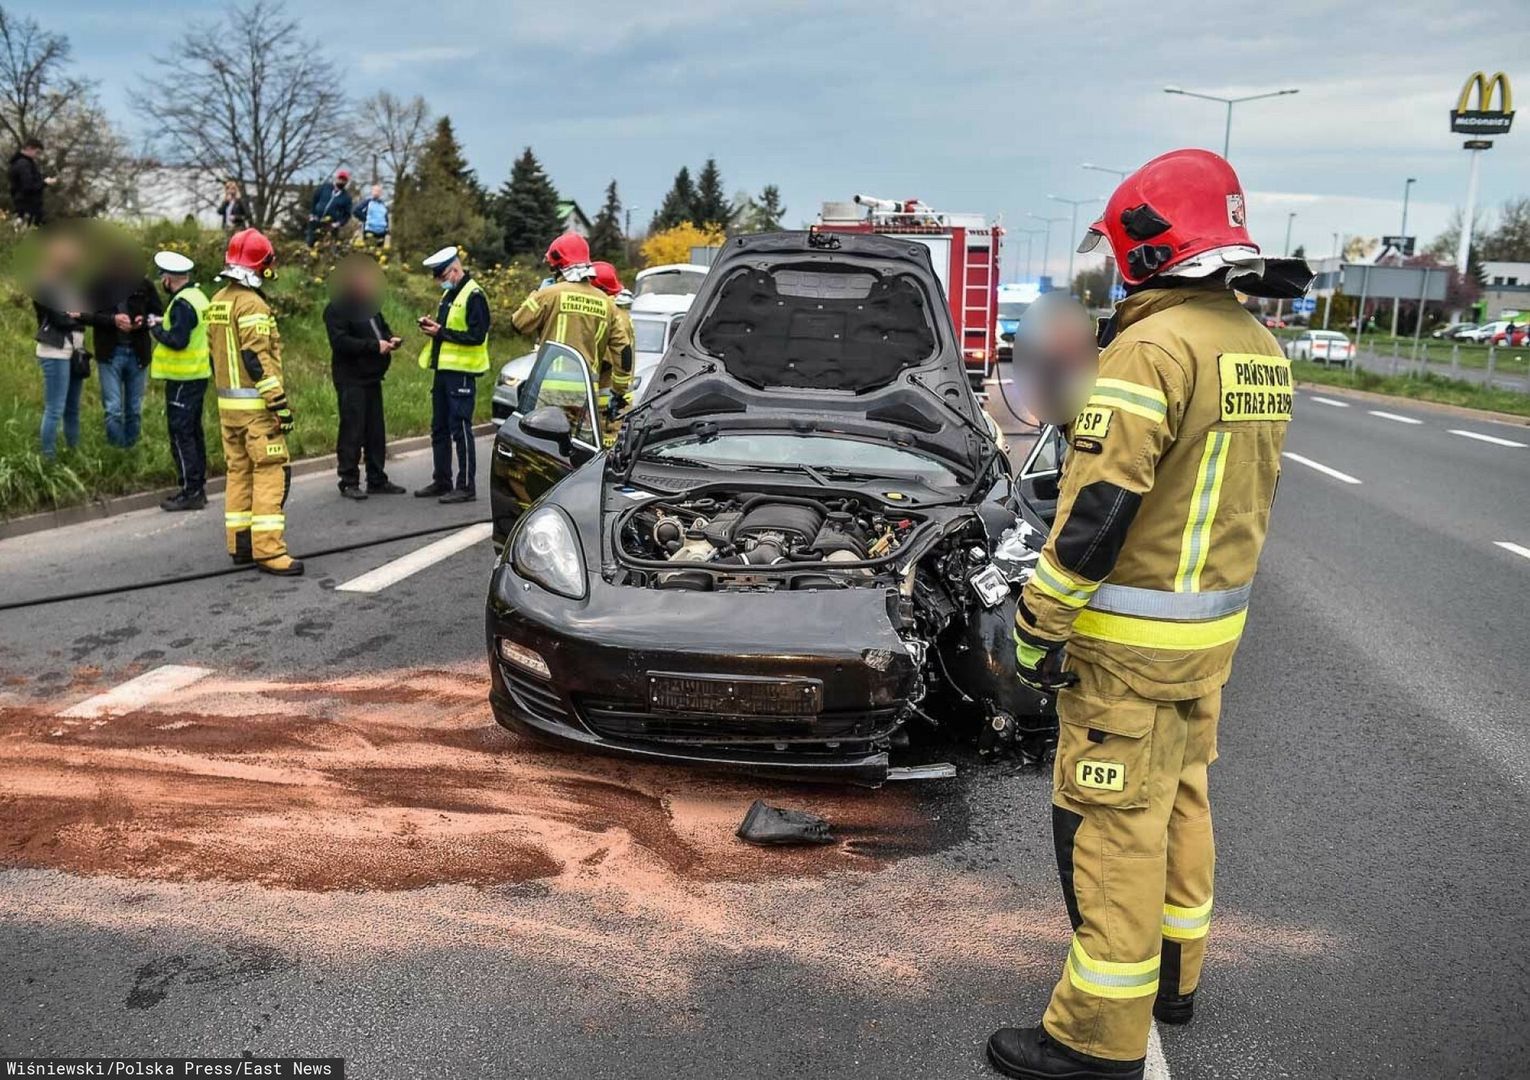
(253, 411)
(1145, 578)
(572, 310)
(615, 380)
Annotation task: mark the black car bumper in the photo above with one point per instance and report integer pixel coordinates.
(603, 654)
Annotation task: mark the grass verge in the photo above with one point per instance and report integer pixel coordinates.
(1434, 388)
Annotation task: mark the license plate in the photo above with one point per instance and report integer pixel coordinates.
(747, 695)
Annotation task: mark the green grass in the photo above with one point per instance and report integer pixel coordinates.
(29, 483)
(1434, 388)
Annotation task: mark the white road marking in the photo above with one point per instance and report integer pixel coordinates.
(1494, 439)
(408, 565)
(1517, 549)
(136, 693)
(1394, 416)
(1330, 401)
(1157, 1066)
(1320, 467)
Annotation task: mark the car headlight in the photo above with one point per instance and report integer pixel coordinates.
(546, 551)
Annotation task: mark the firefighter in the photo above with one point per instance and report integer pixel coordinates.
(181, 360)
(253, 412)
(1145, 579)
(615, 378)
(574, 311)
(457, 350)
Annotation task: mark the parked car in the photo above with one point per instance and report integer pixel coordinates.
(803, 544)
(1272, 322)
(1451, 330)
(667, 289)
(1484, 333)
(1514, 338)
(1322, 346)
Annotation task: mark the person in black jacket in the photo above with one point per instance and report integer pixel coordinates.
(330, 210)
(361, 347)
(28, 182)
(233, 211)
(118, 305)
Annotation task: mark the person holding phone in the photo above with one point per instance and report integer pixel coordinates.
(119, 303)
(361, 348)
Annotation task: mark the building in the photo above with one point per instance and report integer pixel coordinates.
(172, 193)
(573, 219)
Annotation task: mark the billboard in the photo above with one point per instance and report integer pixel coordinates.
(1484, 119)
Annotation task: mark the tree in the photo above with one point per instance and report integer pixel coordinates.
(606, 237)
(1092, 286)
(710, 206)
(527, 208)
(436, 204)
(249, 96)
(1509, 240)
(679, 204)
(763, 213)
(392, 132)
(674, 245)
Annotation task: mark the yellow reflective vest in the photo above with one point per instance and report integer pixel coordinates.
(472, 359)
(194, 361)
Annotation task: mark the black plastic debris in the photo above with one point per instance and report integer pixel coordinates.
(771, 826)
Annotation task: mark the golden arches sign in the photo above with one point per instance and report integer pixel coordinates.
(1484, 119)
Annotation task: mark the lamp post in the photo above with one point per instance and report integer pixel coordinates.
(1074, 204)
(1333, 286)
(1402, 240)
(627, 232)
(1046, 244)
(1030, 235)
(1229, 102)
(1280, 305)
(1122, 174)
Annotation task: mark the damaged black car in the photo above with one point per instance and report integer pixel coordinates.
(803, 550)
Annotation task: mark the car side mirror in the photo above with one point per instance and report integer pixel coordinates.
(550, 424)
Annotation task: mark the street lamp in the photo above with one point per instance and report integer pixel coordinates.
(1073, 232)
(1229, 102)
(1402, 246)
(1280, 305)
(1046, 245)
(1123, 174)
(1029, 235)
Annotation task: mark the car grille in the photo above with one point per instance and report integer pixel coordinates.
(534, 696)
(614, 720)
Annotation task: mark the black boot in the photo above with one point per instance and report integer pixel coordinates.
(387, 487)
(242, 554)
(195, 500)
(352, 491)
(1174, 1008)
(1031, 1054)
(174, 502)
(461, 495)
(432, 490)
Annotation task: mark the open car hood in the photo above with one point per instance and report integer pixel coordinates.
(818, 332)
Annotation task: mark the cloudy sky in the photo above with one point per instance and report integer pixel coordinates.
(986, 105)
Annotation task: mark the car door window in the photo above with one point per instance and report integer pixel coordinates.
(561, 378)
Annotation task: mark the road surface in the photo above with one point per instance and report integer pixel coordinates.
(247, 814)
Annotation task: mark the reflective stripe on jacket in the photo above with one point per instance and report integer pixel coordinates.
(472, 359)
(194, 361)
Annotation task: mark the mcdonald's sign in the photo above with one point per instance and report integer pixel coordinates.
(1484, 119)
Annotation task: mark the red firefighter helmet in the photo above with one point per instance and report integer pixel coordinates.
(1180, 205)
(606, 279)
(250, 249)
(568, 250)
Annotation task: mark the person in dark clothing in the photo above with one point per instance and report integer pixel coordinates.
(458, 352)
(182, 361)
(361, 347)
(233, 211)
(118, 306)
(28, 182)
(331, 208)
(60, 341)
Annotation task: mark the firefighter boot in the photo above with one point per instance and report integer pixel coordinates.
(1031, 1054)
(242, 555)
(1174, 1008)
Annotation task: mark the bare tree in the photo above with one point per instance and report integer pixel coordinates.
(250, 98)
(34, 84)
(391, 133)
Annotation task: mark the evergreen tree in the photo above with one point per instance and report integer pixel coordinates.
(678, 206)
(527, 208)
(437, 204)
(765, 212)
(606, 237)
(710, 206)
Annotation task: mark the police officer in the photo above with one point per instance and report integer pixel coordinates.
(458, 353)
(182, 360)
(253, 411)
(1145, 579)
(572, 310)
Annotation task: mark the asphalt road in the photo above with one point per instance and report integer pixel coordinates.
(321, 844)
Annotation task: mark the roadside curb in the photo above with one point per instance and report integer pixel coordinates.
(143, 500)
(1437, 406)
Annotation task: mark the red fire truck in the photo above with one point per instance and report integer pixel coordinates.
(965, 251)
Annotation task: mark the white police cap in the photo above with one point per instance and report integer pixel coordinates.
(441, 259)
(173, 262)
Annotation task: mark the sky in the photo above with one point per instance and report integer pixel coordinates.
(985, 106)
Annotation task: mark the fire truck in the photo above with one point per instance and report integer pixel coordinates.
(965, 251)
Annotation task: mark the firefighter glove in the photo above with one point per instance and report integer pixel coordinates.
(1039, 662)
(616, 404)
(283, 413)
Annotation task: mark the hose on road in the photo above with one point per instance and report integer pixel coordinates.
(223, 571)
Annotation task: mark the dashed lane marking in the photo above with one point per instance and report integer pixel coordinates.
(1510, 546)
(1330, 401)
(1479, 436)
(409, 565)
(136, 693)
(1394, 416)
(1320, 467)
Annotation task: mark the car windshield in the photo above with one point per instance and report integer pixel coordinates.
(670, 283)
(1013, 309)
(649, 334)
(819, 451)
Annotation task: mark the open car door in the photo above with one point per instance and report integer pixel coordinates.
(1037, 484)
(553, 431)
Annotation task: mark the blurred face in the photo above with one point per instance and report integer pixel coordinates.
(376, 191)
(1055, 358)
(359, 279)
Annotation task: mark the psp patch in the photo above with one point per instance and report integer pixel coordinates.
(1100, 775)
(1093, 422)
(1255, 387)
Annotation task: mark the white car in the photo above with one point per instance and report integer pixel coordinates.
(1323, 346)
(653, 331)
(1484, 333)
(667, 289)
